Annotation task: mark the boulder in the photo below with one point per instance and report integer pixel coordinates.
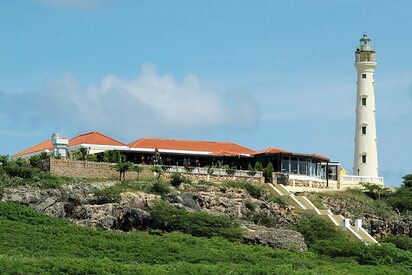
(276, 238)
(138, 200)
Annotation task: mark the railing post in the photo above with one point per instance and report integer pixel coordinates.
(346, 223)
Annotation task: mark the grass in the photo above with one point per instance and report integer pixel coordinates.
(56, 246)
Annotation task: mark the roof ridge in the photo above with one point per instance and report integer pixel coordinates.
(191, 140)
(98, 133)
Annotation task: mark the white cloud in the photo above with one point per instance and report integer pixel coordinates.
(73, 3)
(150, 104)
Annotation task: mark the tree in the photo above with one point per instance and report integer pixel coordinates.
(112, 156)
(4, 159)
(157, 170)
(267, 172)
(81, 153)
(138, 169)
(251, 170)
(123, 167)
(375, 191)
(258, 166)
(407, 180)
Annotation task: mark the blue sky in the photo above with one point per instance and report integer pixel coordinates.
(260, 73)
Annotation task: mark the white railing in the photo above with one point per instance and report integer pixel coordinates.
(304, 177)
(362, 179)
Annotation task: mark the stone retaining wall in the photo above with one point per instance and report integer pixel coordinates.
(103, 170)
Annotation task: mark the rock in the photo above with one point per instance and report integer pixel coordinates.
(276, 238)
(138, 200)
(57, 209)
(111, 216)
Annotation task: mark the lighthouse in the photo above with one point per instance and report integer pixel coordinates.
(366, 151)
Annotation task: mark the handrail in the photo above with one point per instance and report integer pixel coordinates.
(362, 179)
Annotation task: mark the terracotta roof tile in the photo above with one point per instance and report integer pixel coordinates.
(269, 151)
(45, 145)
(213, 147)
(94, 138)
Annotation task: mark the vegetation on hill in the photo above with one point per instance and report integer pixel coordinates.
(56, 246)
(195, 242)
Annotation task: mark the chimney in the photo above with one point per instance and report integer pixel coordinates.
(59, 145)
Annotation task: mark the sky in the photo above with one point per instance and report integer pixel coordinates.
(260, 73)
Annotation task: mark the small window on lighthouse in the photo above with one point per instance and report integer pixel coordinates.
(363, 158)
(363, 130)
(364, 76)
(363, 101)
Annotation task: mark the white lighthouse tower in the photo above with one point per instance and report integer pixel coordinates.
(366, 151)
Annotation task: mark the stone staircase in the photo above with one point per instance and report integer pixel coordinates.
(303, 205)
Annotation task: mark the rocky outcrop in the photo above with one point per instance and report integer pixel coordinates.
(79, 203)
(276, 238)
(230, 202)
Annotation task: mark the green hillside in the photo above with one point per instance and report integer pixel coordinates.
(31, 243)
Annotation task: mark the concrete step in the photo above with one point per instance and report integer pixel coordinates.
(282, 188)
(275, 191)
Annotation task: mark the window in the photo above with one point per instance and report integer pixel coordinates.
(363, 101)
(302, 166)
(285, 165)
(363, 76)
(363, 158)
(293, 165)
(363, 130)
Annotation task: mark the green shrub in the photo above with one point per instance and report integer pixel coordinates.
(107, 195)
(198, 224)
(160, 188)
(400, 241)
(400, 199)
(407, 181)
(255, 190)
(177, 179)
(258, 166)
(158, 170)
(314, 229)
(267, 172)
(250, 205)
(4, 159)
(230, 170)
(262, 218)
(276, 199)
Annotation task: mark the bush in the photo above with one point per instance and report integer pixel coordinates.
(158, 170)
(267, 172)
(276, 199)
(177, 179)
(107, 195)
(401, 199)
(255, 190)
(314, 229)
(199, 224)
(230, 170)
(258, 166)
(112, 156)
(262, 218)
(400, 241)
(160, 188)
(250, 205)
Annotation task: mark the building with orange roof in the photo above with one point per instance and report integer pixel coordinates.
(190, 152)
(193, 153)
(96, 142)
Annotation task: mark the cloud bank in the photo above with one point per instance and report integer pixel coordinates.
(150, 104)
